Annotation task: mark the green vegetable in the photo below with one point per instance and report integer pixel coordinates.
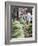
(21, 20)
(17, 29)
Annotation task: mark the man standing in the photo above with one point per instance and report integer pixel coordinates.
(29, 17)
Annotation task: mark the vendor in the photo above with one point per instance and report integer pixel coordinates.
(29, 17)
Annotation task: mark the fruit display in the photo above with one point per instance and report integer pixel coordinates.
(20, 29)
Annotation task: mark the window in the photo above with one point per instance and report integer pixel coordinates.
(20, 22)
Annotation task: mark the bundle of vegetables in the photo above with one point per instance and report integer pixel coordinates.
(28, 30)
(17, 29)
(22, 20)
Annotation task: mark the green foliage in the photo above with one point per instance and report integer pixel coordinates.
(17, 29)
